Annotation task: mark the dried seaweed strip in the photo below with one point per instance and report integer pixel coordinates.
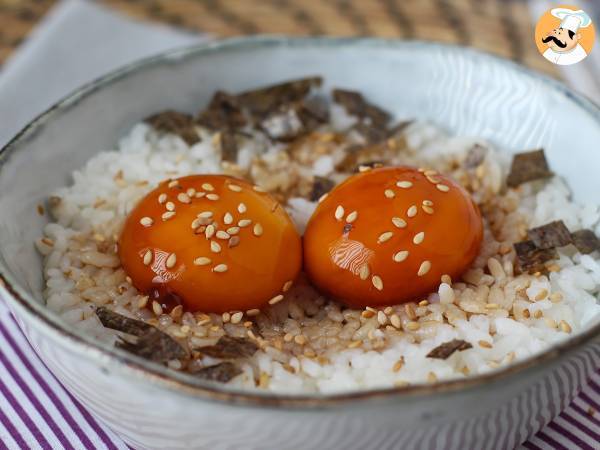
(177, 123)
(475, 156)
(371, 133)
(229, 146)
(223, 112)
(552, 235)
(528, 166)
(445, 350)
(229, 347)
(532, 259)
(321, 186)
(155, 346)
(223, 372)
(585, 241)
(355, 104)
(119, 322)
(313, 111)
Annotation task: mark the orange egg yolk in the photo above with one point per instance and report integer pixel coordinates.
(213, 242)
(387, 235)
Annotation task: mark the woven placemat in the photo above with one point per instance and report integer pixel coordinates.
(503, 27)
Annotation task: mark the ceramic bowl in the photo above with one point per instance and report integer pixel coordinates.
(462, 90)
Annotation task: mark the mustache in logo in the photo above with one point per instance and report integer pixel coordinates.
(555, 40)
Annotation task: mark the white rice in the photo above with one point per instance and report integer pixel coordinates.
(340, 348)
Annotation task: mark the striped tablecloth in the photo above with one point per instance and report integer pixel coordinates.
(35, 410)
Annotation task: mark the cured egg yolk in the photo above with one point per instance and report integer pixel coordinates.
(387, 235)
(216, 243)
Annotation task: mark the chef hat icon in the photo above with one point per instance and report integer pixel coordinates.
(572, 20)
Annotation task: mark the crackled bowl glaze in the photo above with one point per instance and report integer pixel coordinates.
(462, 90)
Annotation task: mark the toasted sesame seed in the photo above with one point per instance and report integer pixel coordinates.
(398, 222)
(389, 193)
(395, 321)
(233, 241)
(424, 268)
(351, 217)
(167, 215)
(206, 214)
(556, 297)
(385, 236)
(227, 219)
(354, 344)
(442, 187)
(423, 303)
(191, 192)
(238, 316)
(433, 179)
(377, 282)
(564, 326)
(404, 184)
(196, 223)
(171, 260)
(538, 314)
(413, 326)
(212, 197)
(258, 189)
(287, 285)
(427, 209)
(222, 235)
(210, 231)
(367, 314)
(551, 322)
(409, 309)
(419, 238)
(364, 272)
(258, 229)
(244, 223)
(220, 268)
(363, 168)
(253, 312)
(412, 211)
(199, 194)
(208, 187)
(446, 279)
(233, 230)
(146, 221)
(156, 308)
(398, 365)
(215, 247)
(492, 306)
(226, 317)
(339, 212)
(300, 339)
(242, 208)
(400, 256)
(526, 313)
(202, 261)
(183, 197)
(170, 206)
(484, 344)
(173, 183)
(276, 299)
(234, 188)
(147, 257)
(541, 295)
(323, 197)
(162, 198)
(427, 203)
(381, 318)
(142, 302)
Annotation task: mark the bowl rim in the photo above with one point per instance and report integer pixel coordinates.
(186, 384)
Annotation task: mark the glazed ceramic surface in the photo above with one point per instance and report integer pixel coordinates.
(464, 91)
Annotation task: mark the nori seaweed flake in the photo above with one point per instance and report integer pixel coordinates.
(228, 347)
(229, 145)
(223, 112)
(531, 258)
(552, 235)
(177, 123)
(585, 241)
(475, 156)
(445, 350)
(528, 166)
(321, 186)
(223, 372)
(119, 322)
(355, 104)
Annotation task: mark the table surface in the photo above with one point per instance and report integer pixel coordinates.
(503, 27)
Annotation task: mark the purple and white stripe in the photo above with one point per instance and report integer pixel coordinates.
(36, 412)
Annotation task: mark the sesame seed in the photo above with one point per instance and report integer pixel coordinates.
(183, 197)
(276, 299)
(199, 194)
(212, 197)
(170, 206)
(202, 261)
(210, 231)
(258, 189)
(242, 208)
(173, 183)
(427, 209)
(564, 326)
(385, 236)
(551, 322)
(233, 241)
(253, 312)
(142, 302)
(354, 344)
(288, 337)
(244, 223)
(537, 314)
(484, 344)
(323, 197)
(382, 318)
(388, 310)
(233, 230)
(208, 187)
(541, 295)
(147, 257)
(196, 223)
(377, 282)
(433, 179)
(419, 238)
(404, 184)
(222, 235)
(395, 321)
(220, 268)
(237, 317)
(258, 230)
(215, 247)
(287, 285)
(351, 217)
(367, 314)
(492, 306)
(363, 168)
(191, 192)
(234, 188)
(398, 222)
(167, 215)
(398, 365)
(424, 268)
(446, 279)
(442, 187)
(225, 317)
(339, 212)
(413, 326)
(389, 193)
(300, 339)
(412, 211)
(364, 272)
(423, 303)
(410, 311)
(401, 255)
(171, 260)
(162, 198)
(156, 308)
(206, 214)
(146, 221)
(556, 297)
(227, 219)
(427, 203)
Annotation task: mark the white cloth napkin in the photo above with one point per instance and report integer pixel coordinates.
(77, 42)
